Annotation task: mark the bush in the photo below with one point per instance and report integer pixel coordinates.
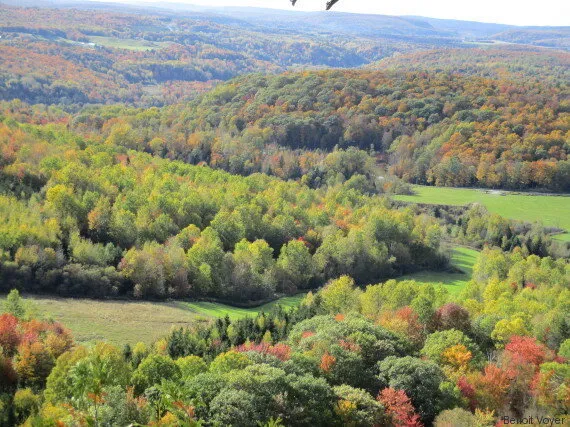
(153, 370)
(26, 403)
(456, 418)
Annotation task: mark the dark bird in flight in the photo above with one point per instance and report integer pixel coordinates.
(330, 3)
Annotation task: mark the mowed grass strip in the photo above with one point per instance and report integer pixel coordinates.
(551, 211)
(461, 258)
(121, 322)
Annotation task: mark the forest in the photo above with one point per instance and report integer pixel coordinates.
(426, 127)
(99, 220)
(88, 218)
(391, 354)
(202, 160)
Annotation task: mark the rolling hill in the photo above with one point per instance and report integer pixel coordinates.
(76, 53)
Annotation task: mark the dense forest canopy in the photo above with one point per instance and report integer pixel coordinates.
(87, 218)
(505, 62)
(430, 127)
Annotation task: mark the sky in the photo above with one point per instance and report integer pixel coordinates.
(521, 12)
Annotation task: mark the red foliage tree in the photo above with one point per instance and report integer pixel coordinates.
(493, 387)
(468, 391)
(281, 351)
(9, 334)
(399, 408)
(526, 350)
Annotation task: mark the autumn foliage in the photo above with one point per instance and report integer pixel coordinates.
(526, 350)
(399, 408)
(327, 362)
(30, 348)
(281, 351)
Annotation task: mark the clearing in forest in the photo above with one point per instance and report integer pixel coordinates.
(550, 211)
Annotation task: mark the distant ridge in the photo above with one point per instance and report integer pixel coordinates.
(408, 28)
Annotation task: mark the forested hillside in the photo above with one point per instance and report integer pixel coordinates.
(84, 53)
(429, 127)
(504, 62)
(82, 218)
(52, 56)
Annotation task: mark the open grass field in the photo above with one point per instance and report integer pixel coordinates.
(212, 309)
(131, 44)
(121, 322)
(553, 211)
(462, 258)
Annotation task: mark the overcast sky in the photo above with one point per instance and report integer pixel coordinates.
(521, 12)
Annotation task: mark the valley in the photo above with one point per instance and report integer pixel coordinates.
(120, 322)
(235, 216)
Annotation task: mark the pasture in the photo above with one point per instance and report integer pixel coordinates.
(130, 44)
(120, 322)
(551, 211)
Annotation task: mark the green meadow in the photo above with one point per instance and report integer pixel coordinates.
(213, 309)
(121, 322)
(461, 258)
(552, 211)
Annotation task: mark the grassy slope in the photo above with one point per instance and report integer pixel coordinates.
(462, 258)
(211, 309)
(121, 322)
(551, 211)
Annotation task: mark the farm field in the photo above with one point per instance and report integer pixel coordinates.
(130, 44)
(553, 211)
(462, 258)
(121, 322)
